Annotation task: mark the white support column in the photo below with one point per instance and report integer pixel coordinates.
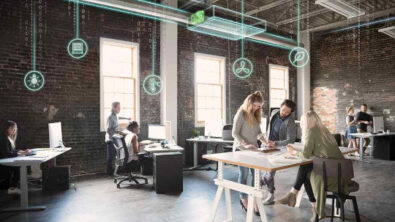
(168, 68)
(303, 82)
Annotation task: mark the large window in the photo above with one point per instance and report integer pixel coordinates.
(279, 87)
(118, 78)
(209, 89)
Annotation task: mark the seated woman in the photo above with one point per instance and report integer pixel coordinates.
(318, 142)
(131, 140)
(7, 149)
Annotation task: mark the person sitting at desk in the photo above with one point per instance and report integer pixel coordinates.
(131, 140)
(318, 142)
(7, 149)
(281, 132)
(246, 129)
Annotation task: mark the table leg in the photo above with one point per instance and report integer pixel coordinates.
(195, 154)
(228, 204)
(257, 186)
(361, 149)
(24, 194)
(299, 196)
(219, 193)
(250, 207)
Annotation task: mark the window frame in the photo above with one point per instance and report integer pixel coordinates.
(135, 70)
(223, 91)
(286, 82)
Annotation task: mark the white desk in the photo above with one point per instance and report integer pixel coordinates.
(258, 161)
(362, 136)
(197, 140)
(157, 148)
(42, 155)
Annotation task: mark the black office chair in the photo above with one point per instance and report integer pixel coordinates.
(227, 135)
(341, 169)
(121, 163)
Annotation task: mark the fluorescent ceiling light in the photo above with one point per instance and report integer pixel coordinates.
(346, 9)
(389, 31)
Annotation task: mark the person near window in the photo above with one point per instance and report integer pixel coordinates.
(112, 128)
(8, 149)
(246, 131)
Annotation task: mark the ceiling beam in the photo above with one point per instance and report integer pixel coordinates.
(308, 15)
(352, 21)
(268, 6)
(210, 2)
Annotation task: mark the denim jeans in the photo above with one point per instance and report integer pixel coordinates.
(110, 157)
(243, 175)
(268, 180)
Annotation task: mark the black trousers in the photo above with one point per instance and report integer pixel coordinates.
(303, 178)
(9, 176)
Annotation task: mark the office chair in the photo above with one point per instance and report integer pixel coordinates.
(341, 169)
(121, 163)
(227, 135)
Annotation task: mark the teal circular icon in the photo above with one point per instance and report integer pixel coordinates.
(34, 80)
(242, 68)
(152, 84)
(299, 57)
(77, 48)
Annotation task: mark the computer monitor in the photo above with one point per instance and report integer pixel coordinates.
(378, 124)
(156, 132)
(55, 135)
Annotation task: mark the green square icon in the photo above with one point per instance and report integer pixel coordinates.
(197, 17)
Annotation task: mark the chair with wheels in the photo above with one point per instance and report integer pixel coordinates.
(122, 164)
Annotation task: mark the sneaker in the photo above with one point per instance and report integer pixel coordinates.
(289, 199)
(269, 200)
(14, 191)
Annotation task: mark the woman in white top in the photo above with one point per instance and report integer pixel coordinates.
(131, 140)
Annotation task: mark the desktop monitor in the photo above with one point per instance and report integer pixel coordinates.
(156, 132)
(55, 135)
(378, 124)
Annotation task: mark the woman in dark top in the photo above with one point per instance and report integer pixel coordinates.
(7, 149)
(351, 128)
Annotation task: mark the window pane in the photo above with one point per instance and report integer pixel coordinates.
(275, 102)
(277, 93)
(277, 83)
(208, 70)
(277, 74)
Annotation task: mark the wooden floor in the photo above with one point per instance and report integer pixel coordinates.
(97, 199)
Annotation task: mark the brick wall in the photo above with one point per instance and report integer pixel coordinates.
(350, 68)
(72, 86)
(236, 89)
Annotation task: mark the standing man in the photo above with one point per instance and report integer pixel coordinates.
(112, 128)
(363, 119)
(281, 132)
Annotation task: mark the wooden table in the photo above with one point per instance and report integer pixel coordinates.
(258, 161)
(42, 155)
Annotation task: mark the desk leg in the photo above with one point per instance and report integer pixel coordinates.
(299, 197)
(219, 193)
(258, 201)
(361, 149)
(250, 207)
(228, 204)
(195, 154)
(24, 194)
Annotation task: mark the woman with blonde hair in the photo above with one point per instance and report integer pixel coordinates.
(318, 142)
(246, 131)
(351, 127)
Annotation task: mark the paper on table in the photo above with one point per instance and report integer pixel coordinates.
(284, 158)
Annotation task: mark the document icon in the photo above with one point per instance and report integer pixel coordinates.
(77, 48)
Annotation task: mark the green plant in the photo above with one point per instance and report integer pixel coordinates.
(196, 132)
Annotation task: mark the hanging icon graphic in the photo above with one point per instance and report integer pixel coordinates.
(299, 57)
(152, 84)
(77, 48)
(242, 68)
(34, 80)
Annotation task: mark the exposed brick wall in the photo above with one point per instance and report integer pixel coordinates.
(236, 89)
(72, 86)
(351, 68)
